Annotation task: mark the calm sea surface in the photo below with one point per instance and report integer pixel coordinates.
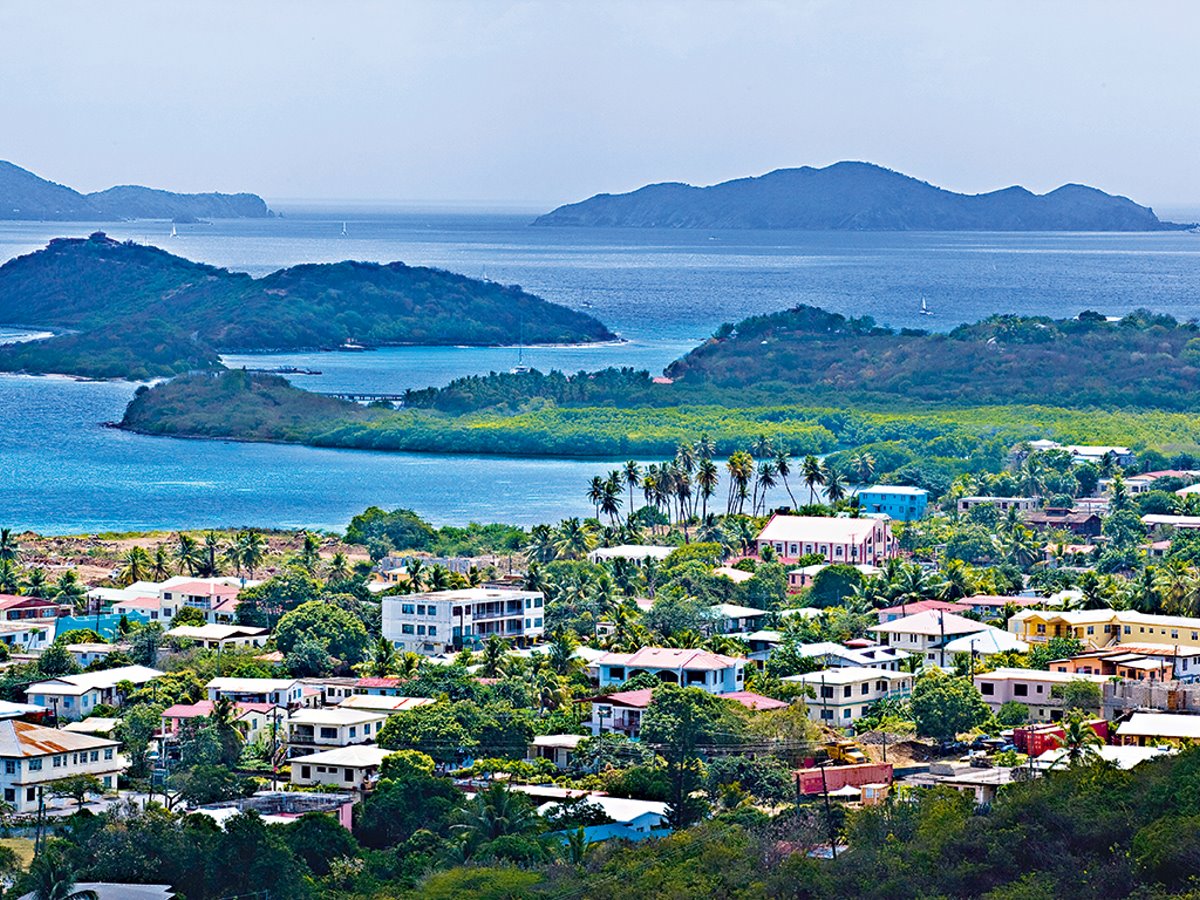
(61, 471)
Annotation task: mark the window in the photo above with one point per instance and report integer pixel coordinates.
(328, 732)
(1091, 629)
(1041, 629)
(306, 772)
(537, 623)
(846, 713)
(35, 765)
(846, 691)
(95, 756)
(408, 609)
(420, 609)
(1020, 690)
(420, 629)
(826, 692)
(537, 601)
(406, 629)
(617, 673)
(10, 766)
(433, 629)
(827, 714)
(987, 689)
(354, 730)
(58, 761)
(866, 689)
(10, 795)
(108, 753)
(349, 776)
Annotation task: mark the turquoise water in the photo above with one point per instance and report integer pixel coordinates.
(61, 471)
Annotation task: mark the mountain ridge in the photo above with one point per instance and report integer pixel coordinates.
(856, 196)
(25, 196)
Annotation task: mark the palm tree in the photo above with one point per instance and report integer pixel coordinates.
(211, 566)
(496, 812)
(494, 651)
(252, 548)
(160, 569)
(9, 548)
(1079, 739)
(53, 878)
(741, 469)
(188, 554)
(574, 539)
(610, 497)
(548, 691)
(339, 567)
(69, 590)
(632, 473)
(707, 478)
(764, 480)
(863, 466)
(541, 546)
(439, 578)
(813, 475)
(562, 658)
(136, 565)
(835, 485)
(36, 583)
(706, 447)
(685, 457)
(310, 553)
(783, 466)
(10, 581)
(416, 575)
(596, 493)
(761, 448)
(383, 658)
(576, 847)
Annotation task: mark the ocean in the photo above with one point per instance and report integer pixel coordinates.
(663, 291)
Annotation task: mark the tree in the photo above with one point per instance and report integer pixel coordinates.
(1079, 739)
(308, 658)
(10, 549)
(57, 660)
(813, 475)
(833, 584)
(494, 813)
(1012, 713)
(309, 557)
(1078, 694)
(1041, 655)
(77, 787)
(319, 839)
(408, 798)
(136, 565)
(53, 878)
(944, 705)
(334, 629)
(144, 644)
(69, 590)
(189, 615)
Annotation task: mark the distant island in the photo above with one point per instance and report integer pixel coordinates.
(28, 197)
(127, 310)
(816, 380)
(856, 196)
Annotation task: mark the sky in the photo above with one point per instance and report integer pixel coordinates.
(529, 104)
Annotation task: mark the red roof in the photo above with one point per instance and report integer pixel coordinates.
(909, 609)
(7, 601)
(204, 589)
(750, 700)
(379, 682)
(202, 708)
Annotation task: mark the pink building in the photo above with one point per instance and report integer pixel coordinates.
(840, 540)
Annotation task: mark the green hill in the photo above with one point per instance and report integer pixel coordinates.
(153, 313)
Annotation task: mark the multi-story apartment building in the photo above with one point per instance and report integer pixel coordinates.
(1097, 628)
(31, 757)
(444, 621)
(844, 694)
(311, 730)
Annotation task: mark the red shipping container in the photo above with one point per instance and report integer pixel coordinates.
(1035, 740)
(809, 780)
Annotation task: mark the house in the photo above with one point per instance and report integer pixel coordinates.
(1032, 687)
(33, 756)
(1098, 628)
(637, 554)
(632, 820)
(28, 635)
(805, 575)
(1158, 522)
(282, 807)
(345, 768)
(737, 576)
(987, 642)
(381, 704)
(113, 890)
(981, 782)
(711, 672)
(558, 748)
(254, 720)
(622, 711)
(1149, 729)
(903, 610)
(844, 694)
(74, 697)
(1002, 504)
(729, 618)
(221, 637)
(897, 502)
(380, 687)
(85, 654)
(927, 633)
(1141, 662)
(14, 608)
(286, 692)
(100, 726)
(215, 597)
(991, 606)
(1081, 453)
(1082, 522)
(838, 539)
(834, 656)
(310, 730)
(444, 621)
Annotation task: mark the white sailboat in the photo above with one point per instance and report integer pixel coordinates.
(174, 233)
(520, 368)
(925, 310)
(344, 232)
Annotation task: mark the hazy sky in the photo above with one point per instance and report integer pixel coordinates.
(538, 103)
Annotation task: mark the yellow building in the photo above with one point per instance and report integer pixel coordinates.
(1097, 628)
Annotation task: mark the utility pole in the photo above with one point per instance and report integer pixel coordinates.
(829, 815)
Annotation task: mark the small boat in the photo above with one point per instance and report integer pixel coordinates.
(344, 232)
(520, 368)
(352, 346)
(174, 233)
(925, 310)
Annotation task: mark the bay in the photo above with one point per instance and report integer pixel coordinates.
(663, 291)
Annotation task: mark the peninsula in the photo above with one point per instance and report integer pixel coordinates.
(856, 196)
(126, 310)
(25, 196)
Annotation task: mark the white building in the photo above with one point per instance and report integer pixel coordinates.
(845, 694)
(28, 635)
(1033, 687)
(345, 768)
(444, 621)
(288, 692)
(221, 637)
(635, 553)
(33, 756)
(85, 654)
(839, 539)
(712, 672)
(75, 696)
(310, 730)
(927, 633)
(836, 656)
(160, 601)
(1002, 504)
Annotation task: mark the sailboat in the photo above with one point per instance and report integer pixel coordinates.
(344, 232)
(520, 368)
(925, 310)
(174, 233)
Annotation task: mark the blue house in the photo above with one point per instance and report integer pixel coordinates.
(896, 501)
